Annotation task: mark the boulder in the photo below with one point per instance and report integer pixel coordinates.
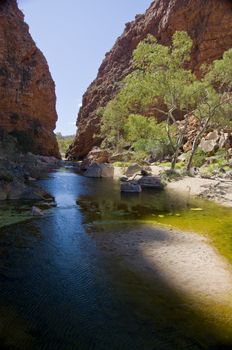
(229, 151)
(107, 170)
(212, 136)
(133, 169)
(123, 178)
(151, 182)
(99, 170)
(122, 157)
(228, 175)
(223, 139)
(118, 172)
(130, 187)
(208, 146)
(35, 211)
(94, 170)
(96, 155)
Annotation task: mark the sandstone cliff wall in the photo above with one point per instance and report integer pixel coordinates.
(27, 91)
(208, 22)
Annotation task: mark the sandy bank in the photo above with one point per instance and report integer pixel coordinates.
(185, 262)
(219, 191)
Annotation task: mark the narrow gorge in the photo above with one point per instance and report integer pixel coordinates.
(125, 245)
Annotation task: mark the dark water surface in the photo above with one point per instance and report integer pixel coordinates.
(59, 291)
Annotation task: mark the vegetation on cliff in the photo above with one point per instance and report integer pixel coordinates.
(162, 87)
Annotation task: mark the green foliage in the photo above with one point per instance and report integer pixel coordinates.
(221, 153)
(112, 129)
(64, 142)
(146, 136)
(199, 158)
(121, 164)
(220, 72)
(161, 78)
(161, 71)
(143, 133)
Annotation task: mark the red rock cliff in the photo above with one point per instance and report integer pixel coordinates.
(208, 22)
(27, 91)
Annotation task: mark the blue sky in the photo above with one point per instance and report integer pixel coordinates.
(74, 35)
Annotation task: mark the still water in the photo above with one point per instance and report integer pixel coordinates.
(60, 291)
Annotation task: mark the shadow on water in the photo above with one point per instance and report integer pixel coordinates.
(60, 290)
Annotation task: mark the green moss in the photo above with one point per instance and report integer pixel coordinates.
(10, 218)
(164, 164)
(122, 164)
(180, 165)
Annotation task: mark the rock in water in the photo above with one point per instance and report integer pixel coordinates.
(35, 211)
(151, 182)
(130, 187)
(99, 170)
(200, 18)
(27, 91)
(133, 169)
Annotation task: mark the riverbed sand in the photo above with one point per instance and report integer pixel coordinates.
(186, 262)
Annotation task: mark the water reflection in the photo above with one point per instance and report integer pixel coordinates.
(59, 291)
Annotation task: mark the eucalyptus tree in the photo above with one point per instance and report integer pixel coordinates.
(163, 86)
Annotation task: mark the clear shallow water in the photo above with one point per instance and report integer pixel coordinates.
(60, 291)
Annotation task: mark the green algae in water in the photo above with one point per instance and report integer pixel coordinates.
(178, 322)
(213, 221)
(167, 208)
(204, 321)
(11, 214)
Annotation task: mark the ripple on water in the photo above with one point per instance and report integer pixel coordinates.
(61, 291)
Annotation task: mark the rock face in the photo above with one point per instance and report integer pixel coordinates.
(96, 170)
(208, 22)
(27, 91)
(19, 170)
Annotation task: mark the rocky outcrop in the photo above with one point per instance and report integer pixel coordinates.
(27, 91)
(18, 171)
(96, 170)
(208, 22)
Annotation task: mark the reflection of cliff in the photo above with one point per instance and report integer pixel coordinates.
(209, 23)
(27, 91)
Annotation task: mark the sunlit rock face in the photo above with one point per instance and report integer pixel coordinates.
(208, 22)
(27, 91)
